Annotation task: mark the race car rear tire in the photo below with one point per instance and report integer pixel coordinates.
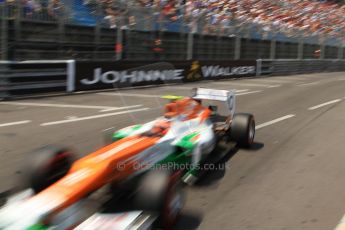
(243, 129)
(161, 191)
(45, 166)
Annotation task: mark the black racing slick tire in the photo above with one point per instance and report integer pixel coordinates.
(46, 166)
(161, 191)
(243, 129)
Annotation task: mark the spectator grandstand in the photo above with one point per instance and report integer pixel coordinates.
(287, 17)
(289, 21)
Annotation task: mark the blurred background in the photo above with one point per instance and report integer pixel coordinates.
(171, 29)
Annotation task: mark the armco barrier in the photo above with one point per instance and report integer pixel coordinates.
(34, 77)
(289, 66)
(39, 77)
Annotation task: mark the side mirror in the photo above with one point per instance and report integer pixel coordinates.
(213, 108)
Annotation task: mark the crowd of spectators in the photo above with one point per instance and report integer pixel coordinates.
(289, 17)
(40, 9)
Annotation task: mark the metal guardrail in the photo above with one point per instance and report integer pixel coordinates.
(288, 66)
(19, 79)
(34, 77)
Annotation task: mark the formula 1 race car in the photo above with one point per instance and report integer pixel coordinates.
(191, 129)
(145, 162)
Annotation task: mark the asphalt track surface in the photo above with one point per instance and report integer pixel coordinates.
(293, 178)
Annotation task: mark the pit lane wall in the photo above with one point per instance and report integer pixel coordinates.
(20, 79)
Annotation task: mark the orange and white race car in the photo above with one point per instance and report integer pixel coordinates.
(146, 162)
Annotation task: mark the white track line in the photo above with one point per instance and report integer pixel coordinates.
(103, 108)
(273, 86)
(236, 90)
(306, 84)
(130, 95)
(290, 78)
(191, 87)
(274, 121)
(92, 117)
(268, 80)
(56, 105)
(243, 92)
(227, 88)
(121, 108)
(176, 87)
(324, 104)
(244, 84)
(15, 123)
(250, 92)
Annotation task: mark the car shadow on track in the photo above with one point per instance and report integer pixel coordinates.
(256, 146)
(209, 178)
(188, 220)
(211, 175)
(216, 169)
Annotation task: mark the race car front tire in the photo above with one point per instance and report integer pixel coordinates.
(45, 166)
(161, 191)
(243, 129)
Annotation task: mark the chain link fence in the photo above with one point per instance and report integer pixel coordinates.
(127, 30)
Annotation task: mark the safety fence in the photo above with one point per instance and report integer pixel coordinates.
(20, 79)
(81, 30)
